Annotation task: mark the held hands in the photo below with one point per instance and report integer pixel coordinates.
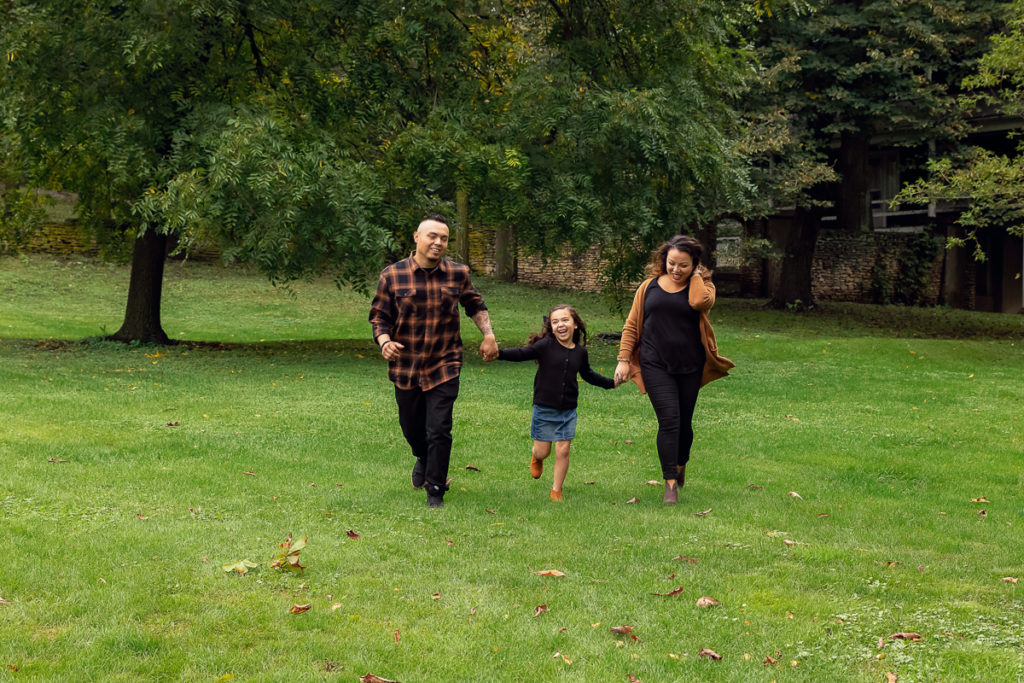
(621, 373)
(489, 348)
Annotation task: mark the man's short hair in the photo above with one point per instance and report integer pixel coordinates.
(435, 217)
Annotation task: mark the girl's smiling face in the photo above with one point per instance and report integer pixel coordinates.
(562, 325)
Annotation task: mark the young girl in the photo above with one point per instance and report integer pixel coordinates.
(560, 353)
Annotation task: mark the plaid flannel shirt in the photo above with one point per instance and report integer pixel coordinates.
(419, 308)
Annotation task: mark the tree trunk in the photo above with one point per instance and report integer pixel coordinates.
(504, 259)
(793, 288)
(142, 311)
(708, 237)
(853, 209)
(462, 236)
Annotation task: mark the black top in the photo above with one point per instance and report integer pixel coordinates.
(555, 384)
(670, 339)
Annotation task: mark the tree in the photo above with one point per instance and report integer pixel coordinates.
(229, 121)
(306, 137)
(990, 182)
(860, 69)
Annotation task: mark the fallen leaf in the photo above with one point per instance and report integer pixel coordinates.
(3, 602)
(701, 513)
(881, 643)
(707, 601)
(652, 482)
(796, 495)
(792, 544)
(12, 668)
(633, 679)
(823, 514)
(789, 615)
(890, 677)
(288, 557)
(621, 630)
(595, 624)
(225, 678)
(173, 424)
(564, 658)
(449, 541)
(336, 606)
(472, 610)
(140, 515)
(769, 660)
(705, 652)
(102, 580)
(240, 567)
(588, 483)
(540, 609)
(398, 636)
(980, 499)
(1010, 579)
(490, 511)
(628, 442)
(352, 534)
(920, 569)
(251, 474)
(983, 513)
(891, 563)
(757, 487)
(436, 596)
(677, 591)
(472, 468)
(330, 666)
(689, 560)
(904, 635)
(299, 609)
(550, 572)
(562, 630)
(632, 500)
(56, 460)
(370, 678)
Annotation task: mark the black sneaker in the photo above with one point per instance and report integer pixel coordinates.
(435, 494)
(419, 474)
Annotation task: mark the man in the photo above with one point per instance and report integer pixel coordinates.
(415, 318)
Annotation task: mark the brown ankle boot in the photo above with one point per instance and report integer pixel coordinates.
(671, 492)
(536, 467)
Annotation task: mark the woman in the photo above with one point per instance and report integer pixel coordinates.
(668, 348)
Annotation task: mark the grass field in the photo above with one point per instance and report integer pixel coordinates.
(130, 475)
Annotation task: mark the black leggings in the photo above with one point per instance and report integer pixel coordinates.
(673, 398)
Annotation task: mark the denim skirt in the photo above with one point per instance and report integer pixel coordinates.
(549, 424)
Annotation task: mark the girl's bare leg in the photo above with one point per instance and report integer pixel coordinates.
(561, 464)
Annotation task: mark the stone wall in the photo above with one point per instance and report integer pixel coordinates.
(864, 267)
(847, 266)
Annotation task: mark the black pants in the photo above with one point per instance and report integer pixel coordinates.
(426, 420)
(673, 398)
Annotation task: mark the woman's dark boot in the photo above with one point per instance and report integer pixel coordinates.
(671, 492)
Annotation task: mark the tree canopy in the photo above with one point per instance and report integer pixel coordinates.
(989, 185)
(308, 137)
(837, 74)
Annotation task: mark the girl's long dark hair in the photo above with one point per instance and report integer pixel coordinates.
(579, 335)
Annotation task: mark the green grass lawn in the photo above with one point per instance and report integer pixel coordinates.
(130, 475)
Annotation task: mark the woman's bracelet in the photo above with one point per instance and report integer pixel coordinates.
(385, 343)
(622, 360)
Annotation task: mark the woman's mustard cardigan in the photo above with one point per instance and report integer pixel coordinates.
(702, 298)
